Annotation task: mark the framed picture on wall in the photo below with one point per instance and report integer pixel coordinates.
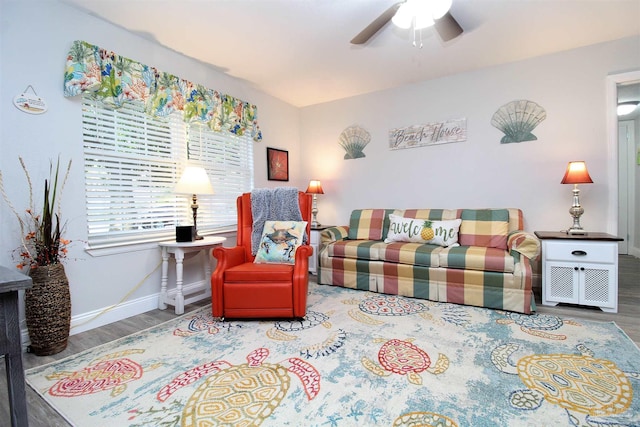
(277, 164)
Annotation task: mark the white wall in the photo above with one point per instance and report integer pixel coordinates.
(35, 37)
(479, 172)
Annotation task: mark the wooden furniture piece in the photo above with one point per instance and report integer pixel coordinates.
(314, 242)
(580, 269)
(243, 289)
(199, 289)
(10, 283)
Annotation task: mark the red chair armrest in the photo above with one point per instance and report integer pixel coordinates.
(301, 280)
(227, 258)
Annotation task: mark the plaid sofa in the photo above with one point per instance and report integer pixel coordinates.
(491, 266)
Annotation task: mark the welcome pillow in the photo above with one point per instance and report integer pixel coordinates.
(441, 233)
(279, 242)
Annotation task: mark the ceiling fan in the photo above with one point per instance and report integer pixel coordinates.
(407, 13)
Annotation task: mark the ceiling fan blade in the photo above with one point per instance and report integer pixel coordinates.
(447, 27)
(376, 25)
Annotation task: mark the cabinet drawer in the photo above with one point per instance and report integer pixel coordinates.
(601, 252)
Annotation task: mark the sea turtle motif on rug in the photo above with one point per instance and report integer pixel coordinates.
(203, 322)
(284, 330)
(581, 384)
(392, 305)
(537, 325)
(404, 358)
(312, 319)
(243, 394)
(110, 372)
(427, 419)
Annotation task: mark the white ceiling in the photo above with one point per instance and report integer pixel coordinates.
(299, 50)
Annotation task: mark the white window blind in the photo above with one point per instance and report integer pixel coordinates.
(132, 163)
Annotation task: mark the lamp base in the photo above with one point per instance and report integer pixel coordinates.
(314, 212)
(194, 207)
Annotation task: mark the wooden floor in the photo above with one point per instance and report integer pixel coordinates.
(42, 415)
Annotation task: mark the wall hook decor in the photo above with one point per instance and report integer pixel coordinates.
(30, 103)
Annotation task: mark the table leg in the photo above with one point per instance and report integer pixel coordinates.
(13, 360)
(207, 271)
(162, 302)
(179, 273)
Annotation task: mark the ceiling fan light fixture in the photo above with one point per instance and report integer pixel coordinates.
(625, 108)
(414, 15)
(440, 7)
(404, 16)
(420, 13)
(422, 21)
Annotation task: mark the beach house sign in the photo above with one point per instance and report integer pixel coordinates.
(429, 134)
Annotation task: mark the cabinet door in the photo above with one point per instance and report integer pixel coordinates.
(599, 285)
(561, 283)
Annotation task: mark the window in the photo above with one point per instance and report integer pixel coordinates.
(132, 162)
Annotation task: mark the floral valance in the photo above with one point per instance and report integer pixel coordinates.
(117, 80)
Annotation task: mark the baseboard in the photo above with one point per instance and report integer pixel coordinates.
(106, 315)
(103, 316)
(634, 252)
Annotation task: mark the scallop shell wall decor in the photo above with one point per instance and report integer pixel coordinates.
(517, 120)
(353, 139)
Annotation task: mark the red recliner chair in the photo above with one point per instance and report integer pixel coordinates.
(242, 289)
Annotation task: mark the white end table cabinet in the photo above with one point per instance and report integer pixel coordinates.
(314, 242)
(580, 269)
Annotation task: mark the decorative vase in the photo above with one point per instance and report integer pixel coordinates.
(48, 310)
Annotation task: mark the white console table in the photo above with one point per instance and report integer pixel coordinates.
(179, 250)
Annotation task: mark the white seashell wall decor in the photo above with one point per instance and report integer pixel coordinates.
(517, 119)
(353, 139)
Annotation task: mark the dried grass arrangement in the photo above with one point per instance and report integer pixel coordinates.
(48, 302)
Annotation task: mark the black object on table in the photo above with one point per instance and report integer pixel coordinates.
(10, 283)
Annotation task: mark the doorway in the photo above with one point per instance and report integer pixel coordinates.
(623, 140)
(626, 184)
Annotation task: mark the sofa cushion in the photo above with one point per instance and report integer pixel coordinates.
(360, 249)
(441, 233)
(369, 224)
(432, 214)
(410, 253)
(371, 250)
(484, 227)
(477, 258)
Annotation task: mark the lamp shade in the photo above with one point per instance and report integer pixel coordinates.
(194, 180)
(314, 187)
(576, 174)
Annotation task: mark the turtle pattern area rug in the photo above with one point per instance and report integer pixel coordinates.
(357, 359)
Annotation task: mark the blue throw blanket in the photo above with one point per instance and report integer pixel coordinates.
(272, 204)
